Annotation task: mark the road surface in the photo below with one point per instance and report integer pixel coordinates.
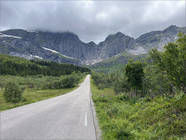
(66, 117)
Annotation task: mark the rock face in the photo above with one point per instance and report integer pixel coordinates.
(115, 44)
(67, 47)
(18, 41)
(66, 44)
(157, 39)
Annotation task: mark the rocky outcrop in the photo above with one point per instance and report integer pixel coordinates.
(157, 39)
(115, 44)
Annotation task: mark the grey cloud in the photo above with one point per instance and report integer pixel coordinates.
(92, 20)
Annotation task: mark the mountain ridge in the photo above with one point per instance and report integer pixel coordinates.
(61, 46)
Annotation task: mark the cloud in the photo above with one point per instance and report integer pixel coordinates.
(92, 20)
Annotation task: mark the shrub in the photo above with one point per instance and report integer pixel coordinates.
(101, 80)
(135, 74)
(12, 93)
(69, 81)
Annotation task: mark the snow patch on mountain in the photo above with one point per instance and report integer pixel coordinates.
(26, 56)
(32, 31)
(38, 57)
(93, 61)
(137, 51)
(11, 36)
(54, 51)
(50, 50)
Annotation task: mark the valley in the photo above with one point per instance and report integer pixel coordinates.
(137, 86)
(92, 70)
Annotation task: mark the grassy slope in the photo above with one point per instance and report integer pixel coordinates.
(116, 62)
(34, 89)
(140, 118)
(31, 96)
(35, 81)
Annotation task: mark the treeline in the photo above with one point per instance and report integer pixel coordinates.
(161, 73)
(11, 65)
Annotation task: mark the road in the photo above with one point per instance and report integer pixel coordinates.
(66, 117)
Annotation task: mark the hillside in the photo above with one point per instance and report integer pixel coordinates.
(144, 43)
(13, 65)
(115, 63)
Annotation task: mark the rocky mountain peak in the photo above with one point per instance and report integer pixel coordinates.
(15, 32)
(172, 28)
(65, 46)
(69, 35)
(117, 35)
(115, 44)
(92, 43)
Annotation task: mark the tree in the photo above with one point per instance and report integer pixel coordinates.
(13, 93)
(134, 73)
(173, 61)
(155, 81)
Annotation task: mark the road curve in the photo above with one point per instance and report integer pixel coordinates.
(66, 117)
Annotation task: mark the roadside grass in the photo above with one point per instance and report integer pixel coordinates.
(35, 89)
(33, 82)
(31, 96)
(123, 118)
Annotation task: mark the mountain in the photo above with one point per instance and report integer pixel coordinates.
(144, 43)
(115, 44)
(60, 47)
(156, 39)
(66, 47)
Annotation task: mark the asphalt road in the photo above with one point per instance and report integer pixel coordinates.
(66, 117)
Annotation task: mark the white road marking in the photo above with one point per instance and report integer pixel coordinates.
(86, 119)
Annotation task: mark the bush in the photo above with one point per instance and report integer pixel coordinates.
(69, 81)
(134, 73)
(13, 93)
(102, 80)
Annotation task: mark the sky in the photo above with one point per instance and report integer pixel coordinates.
(93, 20)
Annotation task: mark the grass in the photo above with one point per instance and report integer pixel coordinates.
(31, 96)
(123, 118)
(35, 81)
(35, 89)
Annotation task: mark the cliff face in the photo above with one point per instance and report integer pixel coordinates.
(68, 44)
(67, 47)
(158, 39)
(46, 45)
(115, 44)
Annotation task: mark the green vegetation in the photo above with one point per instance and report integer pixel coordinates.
(115, 63)
(31, 96)
(11, 65)
(135, 74)
(26, 81)
(42, 82)
(12, 93)
(145, 99)
(35, 87)
(134, 118)
(173, 62)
